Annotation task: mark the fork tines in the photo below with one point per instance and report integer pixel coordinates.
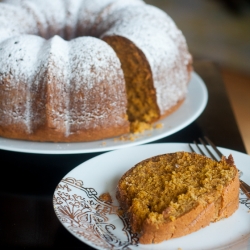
(208, 141)
(244, 186)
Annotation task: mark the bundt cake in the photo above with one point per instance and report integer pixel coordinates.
(83, 70)
(175, 194)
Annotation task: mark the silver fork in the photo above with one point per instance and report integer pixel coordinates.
(243, 186)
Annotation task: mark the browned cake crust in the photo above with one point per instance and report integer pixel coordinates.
(143, 194)
(50, 134)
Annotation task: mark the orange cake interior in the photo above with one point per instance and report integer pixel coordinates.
(160, 190)
(142, 107)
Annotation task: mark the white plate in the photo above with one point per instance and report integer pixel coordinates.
(192, 107)
(95, 223)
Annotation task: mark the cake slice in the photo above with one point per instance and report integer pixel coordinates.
(172, 195)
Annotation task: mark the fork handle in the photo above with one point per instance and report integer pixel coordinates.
(245, 188)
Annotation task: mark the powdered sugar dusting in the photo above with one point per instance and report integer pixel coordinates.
(107, 18)
(54, 79)
(72, 9)
(18, 60)
(50, 76)
(98, 92)
(79, 85)
(14, 21)
(49, 16)
(54, 18)
(160, 44)
(91, 10)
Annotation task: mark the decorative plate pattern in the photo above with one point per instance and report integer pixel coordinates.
(90, 218)
(98, 223)
(244, 200)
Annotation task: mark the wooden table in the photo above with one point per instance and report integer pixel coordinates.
(28, 181)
